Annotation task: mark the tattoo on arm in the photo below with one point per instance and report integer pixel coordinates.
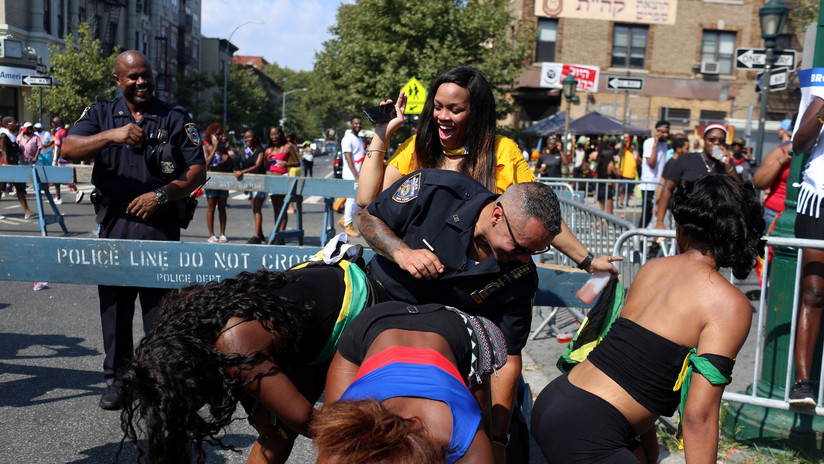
(379, 236)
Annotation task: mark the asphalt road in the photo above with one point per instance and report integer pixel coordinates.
(51, 350)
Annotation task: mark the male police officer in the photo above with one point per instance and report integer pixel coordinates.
(442, 237)
(148, 158)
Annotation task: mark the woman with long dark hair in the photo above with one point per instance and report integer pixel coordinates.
(680, 328)
(264, 339)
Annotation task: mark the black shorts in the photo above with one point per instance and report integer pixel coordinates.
(809, 227)
(358, 337)
(572, 425)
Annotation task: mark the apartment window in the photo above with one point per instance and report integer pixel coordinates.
(196, 20)
(547, 38)
(629, 46)
(784, 42)
(174, 40)
(47, 16)
(676, 116)
(174, 5)
(719, 46)
(195, 54)
(60, 26)
(710, 116)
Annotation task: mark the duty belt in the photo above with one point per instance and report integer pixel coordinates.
(480, 295)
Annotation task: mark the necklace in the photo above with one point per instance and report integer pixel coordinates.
(460, 151)
(709, 169)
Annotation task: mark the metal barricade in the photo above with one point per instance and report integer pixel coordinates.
(627, 205)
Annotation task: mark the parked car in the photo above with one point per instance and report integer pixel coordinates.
(337, 165)
(331, 147)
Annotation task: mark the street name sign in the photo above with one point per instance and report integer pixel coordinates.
(756, 58)
(779, 78)
(415, 96)
(35, 80)
(625, 83)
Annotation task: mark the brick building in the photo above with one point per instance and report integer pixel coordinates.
(684, 50)
(166, 31)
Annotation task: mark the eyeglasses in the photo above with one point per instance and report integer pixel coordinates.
(518, 248)
(715, 139)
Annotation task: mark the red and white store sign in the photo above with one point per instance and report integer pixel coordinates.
(552, 74)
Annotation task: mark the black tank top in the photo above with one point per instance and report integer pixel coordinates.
(643, 363)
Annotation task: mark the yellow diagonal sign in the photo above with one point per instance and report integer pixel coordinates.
(415, 96)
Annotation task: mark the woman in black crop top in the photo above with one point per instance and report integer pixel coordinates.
(262, 339)
(675, 305)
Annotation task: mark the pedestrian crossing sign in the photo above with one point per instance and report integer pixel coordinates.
(415, 96)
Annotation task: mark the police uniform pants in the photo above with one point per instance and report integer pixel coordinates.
(117, 306)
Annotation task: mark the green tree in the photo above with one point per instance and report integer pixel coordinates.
(249, 103)
(302, 116)
(804, 14)
(378, 45)
(82, 73)
(189, 89)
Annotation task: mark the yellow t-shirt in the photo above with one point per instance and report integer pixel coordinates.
(512, 167)
(629, 168)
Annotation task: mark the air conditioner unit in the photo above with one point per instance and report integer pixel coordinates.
(709, 67)
(146, 24)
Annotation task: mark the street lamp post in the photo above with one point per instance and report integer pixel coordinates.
(226, 66)
(283, 107)
(772, 17)
(570, 85)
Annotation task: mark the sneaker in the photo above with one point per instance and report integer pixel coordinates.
(58, 201)
(28, 215)
(350, 231)
(340, 223)
(79, 197)
(212, 239)
(111, 400)
(254, 241)
(222, 239)
(802, 394)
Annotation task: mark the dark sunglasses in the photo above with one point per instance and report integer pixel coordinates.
(518, 248)
(716, 139)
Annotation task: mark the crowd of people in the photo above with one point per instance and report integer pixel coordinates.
(419, 351)
(30, 144)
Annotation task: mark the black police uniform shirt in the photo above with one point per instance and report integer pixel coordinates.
(437, 209)
(121, 172)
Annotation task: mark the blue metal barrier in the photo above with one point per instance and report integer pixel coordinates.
(40, 177)
(145, 263)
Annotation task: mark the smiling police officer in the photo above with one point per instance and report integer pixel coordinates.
(148, 159)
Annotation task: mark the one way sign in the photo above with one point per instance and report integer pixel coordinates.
(36, 81)
(625, 83)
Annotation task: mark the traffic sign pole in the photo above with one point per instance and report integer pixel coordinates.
(762, 115)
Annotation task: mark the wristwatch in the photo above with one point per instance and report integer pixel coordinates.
(162, 198)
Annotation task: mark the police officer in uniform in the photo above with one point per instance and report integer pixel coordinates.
(148, 159)
(441, 237)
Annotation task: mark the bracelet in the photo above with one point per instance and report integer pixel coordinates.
(586, 262)
(501, 441)
(818, 116)
(375, 149)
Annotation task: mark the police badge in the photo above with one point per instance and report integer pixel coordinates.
(193, 133)
(408, 191)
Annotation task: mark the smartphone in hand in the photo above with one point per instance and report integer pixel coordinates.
(381, 113)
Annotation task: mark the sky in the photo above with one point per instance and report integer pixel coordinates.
(292, 32)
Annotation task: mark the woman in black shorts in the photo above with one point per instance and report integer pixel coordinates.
(679, 312)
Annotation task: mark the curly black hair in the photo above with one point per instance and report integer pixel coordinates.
(724, 215)
(177, 370)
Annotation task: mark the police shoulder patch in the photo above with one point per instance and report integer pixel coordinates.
(192, 133)
(83, 114)
(409, 190)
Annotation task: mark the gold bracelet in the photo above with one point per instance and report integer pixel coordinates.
(375, 149)
(818, 116)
